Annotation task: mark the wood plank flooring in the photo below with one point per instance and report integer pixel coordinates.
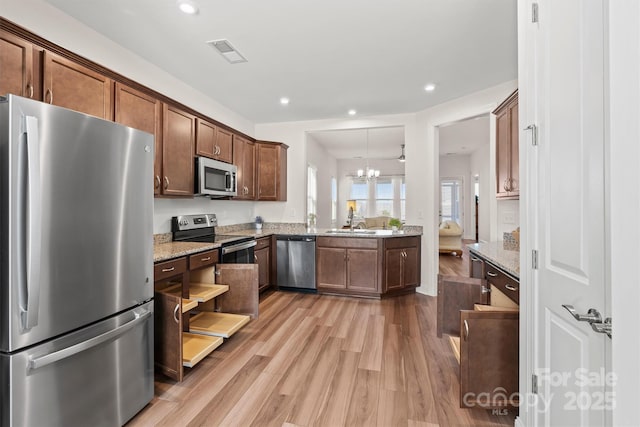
(312, 360)
(455, 265)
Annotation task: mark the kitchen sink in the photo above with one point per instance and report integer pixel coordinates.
(355, 231)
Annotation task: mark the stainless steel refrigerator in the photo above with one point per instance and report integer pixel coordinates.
(76, 267)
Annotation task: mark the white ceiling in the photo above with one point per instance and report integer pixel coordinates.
(377, 143)
(326, 56)
(464, 137)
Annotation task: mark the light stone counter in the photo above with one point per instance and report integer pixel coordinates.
(170, 250)
(509, 261)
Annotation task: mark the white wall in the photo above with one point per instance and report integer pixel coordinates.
(479, 165)
(459, 166)
(295, 135)
(50, 23)
(326, 166)
(348, 167)
(423, 171)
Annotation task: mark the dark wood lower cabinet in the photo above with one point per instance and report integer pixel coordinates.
(484, 334)
(196, 309)
(489, 358)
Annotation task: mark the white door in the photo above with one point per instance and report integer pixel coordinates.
(565, 97)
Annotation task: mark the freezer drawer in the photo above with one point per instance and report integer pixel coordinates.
(101, 375)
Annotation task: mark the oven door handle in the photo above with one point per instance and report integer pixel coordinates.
(240, 246)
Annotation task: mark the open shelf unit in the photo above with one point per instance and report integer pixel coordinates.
(196, 347)
(217, 324)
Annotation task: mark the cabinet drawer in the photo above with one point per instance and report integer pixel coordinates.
(263, 242)
(402, 242)
(509, 286)
(203, 259)
(347, 242)
(164, 270)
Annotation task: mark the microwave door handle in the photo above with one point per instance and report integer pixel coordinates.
(33, 229)
(227, 183)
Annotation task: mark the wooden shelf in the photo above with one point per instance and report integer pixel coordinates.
(202, 292)
(197, 347)
(187, 304)
(455, 345)
(217, 324)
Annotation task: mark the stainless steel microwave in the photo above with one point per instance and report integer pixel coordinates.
(215, 178)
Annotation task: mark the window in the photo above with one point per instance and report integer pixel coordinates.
(384, 196)
(334, 201)
(450, 200)
(312, 193)
(403, 200)
(360, 193)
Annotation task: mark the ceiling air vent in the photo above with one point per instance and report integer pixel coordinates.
(227, 50)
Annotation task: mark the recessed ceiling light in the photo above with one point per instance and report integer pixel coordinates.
(284, 101)
(352, 112)
(188, 7)
(430, 87)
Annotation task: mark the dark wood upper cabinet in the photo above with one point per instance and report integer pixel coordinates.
(144, 112)
(272, 171)
(74, 86)
(16, 66)
(178, 137)
(213, 141)
(507, 150)
(244, 157)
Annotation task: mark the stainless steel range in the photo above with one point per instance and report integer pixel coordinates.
(202, 228)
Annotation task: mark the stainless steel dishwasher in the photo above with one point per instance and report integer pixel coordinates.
(296, 262)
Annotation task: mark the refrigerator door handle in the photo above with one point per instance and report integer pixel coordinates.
(39, 362)
(33, 216)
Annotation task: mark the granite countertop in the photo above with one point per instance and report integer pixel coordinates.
(164, 249)
(328, 232)
(494, 252)
(170, 250)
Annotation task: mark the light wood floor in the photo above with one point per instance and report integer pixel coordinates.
(324, 361)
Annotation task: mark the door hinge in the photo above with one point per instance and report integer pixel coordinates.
(534, 259)
(534, 134)
(534, 12)
(534, 384)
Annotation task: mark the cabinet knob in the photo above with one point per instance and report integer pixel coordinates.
(30, 90)
(157, 182)
(166, 182)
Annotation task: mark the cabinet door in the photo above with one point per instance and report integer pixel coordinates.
(141, 111)
(331, 268)
(393, 266)
(457, 293)
(514, 151)
(224, 141)
(267, 171)
(263, 259)
(244, 158)
(411, 267)
(16, 66)
(168, 334)
(206, 139)
(503, 157)
(242, 296)
(178, 138)
(71, 85)
(362, 270)
(488, 358)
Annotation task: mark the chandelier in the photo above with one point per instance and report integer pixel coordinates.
(367, 172)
